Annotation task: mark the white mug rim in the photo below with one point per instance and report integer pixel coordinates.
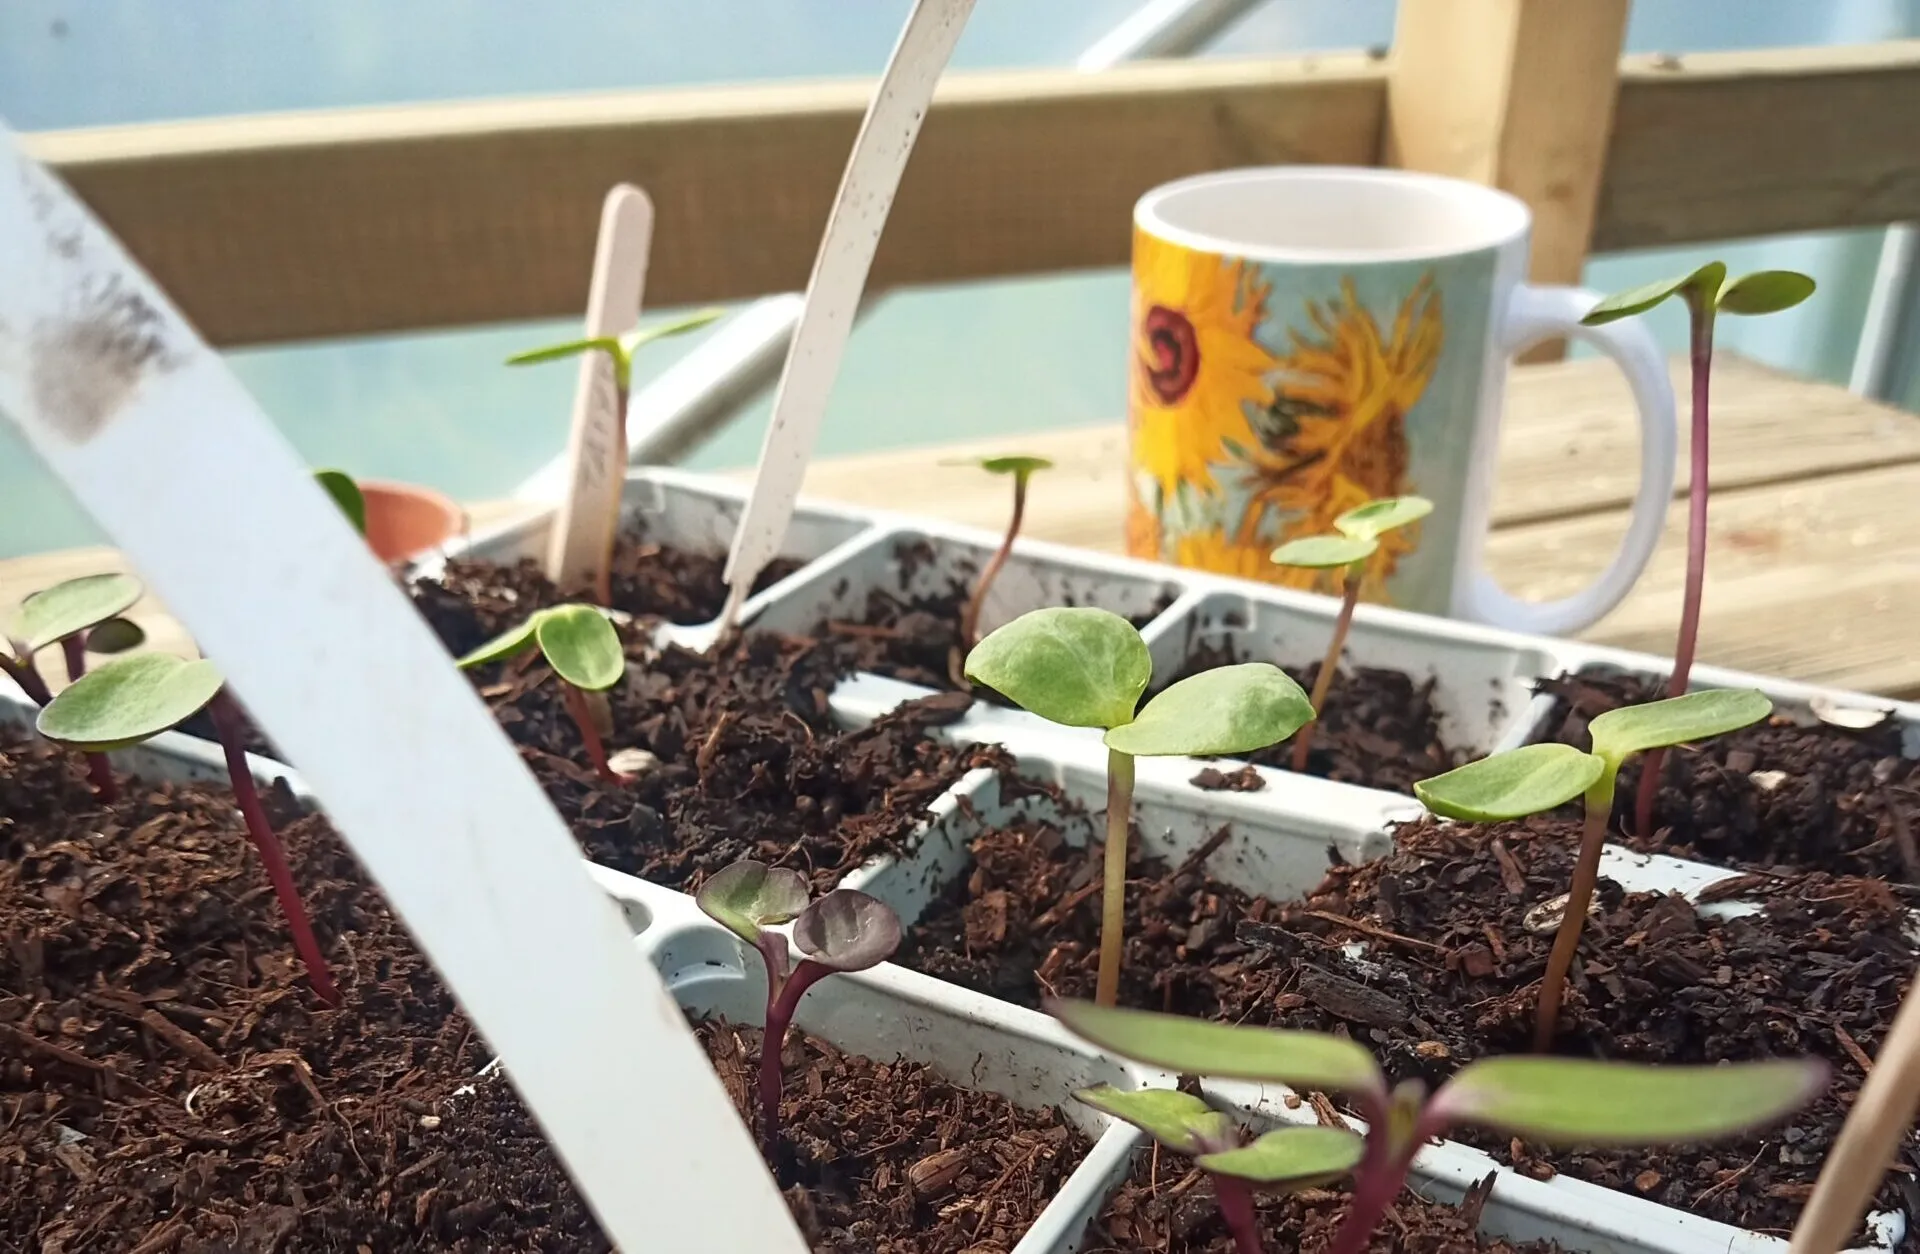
(1506, 216)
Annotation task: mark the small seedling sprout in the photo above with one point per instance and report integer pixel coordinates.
(133, 699)
(79, 615)
(1286, 1159)
(1537, 778)
(845, 930)
(339, 485)
(1021, 468)
(621, 350)
(1086, 667)
(1357, 539)
(584, 650)
(1566, 1101)
(1706, 292)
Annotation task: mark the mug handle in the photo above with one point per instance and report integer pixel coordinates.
(1543, 313)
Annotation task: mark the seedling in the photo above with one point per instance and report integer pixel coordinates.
(1021, 468)
(845, 930)
(621, 349)
(133, 699)
(1285, 1160)
(1357, 539)
(584, 651)
(1085, 667)
(1706, 292)
(1568, 1101)
(78, 615)
(1536, 778)
(346, 494)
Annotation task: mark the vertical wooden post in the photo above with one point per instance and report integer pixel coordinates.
(1516, 94)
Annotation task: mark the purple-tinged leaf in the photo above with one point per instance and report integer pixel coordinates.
(749, 896)
(846, 930)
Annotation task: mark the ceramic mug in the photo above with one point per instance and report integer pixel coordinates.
(1310, 338)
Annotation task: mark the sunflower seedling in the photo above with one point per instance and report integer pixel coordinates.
(80, 615)
(845, 930)
(1566, 1101)
(621, 350)
(1356, 538)
(1537, 778)
(584, 650)
(1706, 292)
(1284, 1160)
(1020, 468)
(133, 699)
(1085, 667)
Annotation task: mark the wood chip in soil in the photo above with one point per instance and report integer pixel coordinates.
(1166, 1206)
(167, 1082)
(1379, 729)
(747, 761)
(889, 1158)
(1449, 973)
(912, 638)
(1775, 795)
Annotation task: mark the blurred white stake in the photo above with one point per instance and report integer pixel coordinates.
(168, 452)
(597, 446)
(880, 153)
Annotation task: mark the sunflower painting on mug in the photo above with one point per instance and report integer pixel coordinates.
(1265, 401)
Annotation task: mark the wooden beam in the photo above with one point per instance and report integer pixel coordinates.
(356, 221)
(1728, 144)
(1514, 94)
(359, 221)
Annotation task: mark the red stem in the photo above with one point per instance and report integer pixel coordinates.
(75, 649)
(970, 619)
(780, 1008)
(576, 702)
(230, 727)
(1383, 1169)
(1235, 1198)
(27, 675)
(1702, 367)
(1303, 739)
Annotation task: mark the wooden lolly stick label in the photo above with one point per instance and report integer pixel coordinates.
(588, 514)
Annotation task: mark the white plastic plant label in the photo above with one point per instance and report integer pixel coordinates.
(163, 446)
(880, 153)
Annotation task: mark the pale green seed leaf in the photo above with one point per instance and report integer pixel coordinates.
(128, 700)
(1229, 709)
(1290, 1158)
(622, 362)
(513, 641)
(1323, 552)
(1376, 518)
(847, 930)
(1017, 464)
(1631, 729)
(51, 615)
(581, 646)
(634, 341)
(1078, 666)
(1529, 780)
(1765, 292)
(1707, 281)
(346, 494)
(116, 635)
(1180, 1121)
(1303, 1060)
(1576, 1101)
(746, 896)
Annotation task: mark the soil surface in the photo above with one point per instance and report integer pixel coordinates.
(1379, 728)
(746, 759)
(1844, 801)
(1450, 973)
(914, 638)
(1166, 1206)
(889, 1158)
(168, 1082)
